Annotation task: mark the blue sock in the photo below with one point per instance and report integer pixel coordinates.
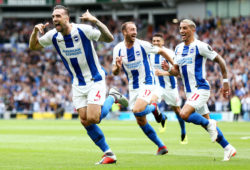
(106, 107)
(148, 109)
(97, 136)
(197, 119)
(221, 139)
(182, 124)
(151, 134)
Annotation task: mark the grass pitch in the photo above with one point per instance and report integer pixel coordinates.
(59, 144)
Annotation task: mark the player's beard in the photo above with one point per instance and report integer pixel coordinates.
(59, 28)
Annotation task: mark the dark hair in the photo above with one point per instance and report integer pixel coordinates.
(62, 7)
(124, 25)
(158, 35)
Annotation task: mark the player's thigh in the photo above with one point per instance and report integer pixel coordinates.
(140, 105)
(186, 111)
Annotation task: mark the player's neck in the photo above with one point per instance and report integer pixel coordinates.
(129, 44)
(189, 41)
(67, 30)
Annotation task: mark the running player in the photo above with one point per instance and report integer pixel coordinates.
(190, 59)
(74, 45)
(167, 85)
(132, 55)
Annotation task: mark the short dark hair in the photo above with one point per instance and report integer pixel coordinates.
(62, 7)
(158, 35)
(124, 25)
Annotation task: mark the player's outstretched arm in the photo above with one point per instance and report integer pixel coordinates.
(106, 35)
(34, 43)
(117, 67)
(161, 73)
(165, 55)
(226, 88)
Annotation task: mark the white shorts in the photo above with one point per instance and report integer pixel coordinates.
(169, 95)
(145, 92)
(198, 100)
(93, 93)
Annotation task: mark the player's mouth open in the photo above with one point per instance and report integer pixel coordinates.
(57, 25)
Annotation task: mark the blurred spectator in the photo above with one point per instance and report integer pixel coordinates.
(235, 107)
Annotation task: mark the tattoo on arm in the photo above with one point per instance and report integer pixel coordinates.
(106, 35)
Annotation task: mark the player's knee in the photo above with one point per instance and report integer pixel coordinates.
(183, 115)
(137, 110)
(93, 119)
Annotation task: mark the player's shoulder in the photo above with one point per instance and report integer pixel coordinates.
(119, 45)
(51, 32)
(179, 46)
(169, 52)
(142, 42)
(202, 45)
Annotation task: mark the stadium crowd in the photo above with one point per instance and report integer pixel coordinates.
(37, 81)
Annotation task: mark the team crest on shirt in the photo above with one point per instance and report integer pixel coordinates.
(137, 53)
(209, 47)
(76, 38)
(191, 50)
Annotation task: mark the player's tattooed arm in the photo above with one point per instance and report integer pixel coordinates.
(33, 42)
(106, 35)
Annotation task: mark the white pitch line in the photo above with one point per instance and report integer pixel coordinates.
(245, 137)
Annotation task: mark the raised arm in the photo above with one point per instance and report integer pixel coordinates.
(34, 43)
(106, 35)
(165, 55)
(117, 67)
(226, 88)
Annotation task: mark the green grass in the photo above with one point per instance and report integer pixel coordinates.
(58, 144)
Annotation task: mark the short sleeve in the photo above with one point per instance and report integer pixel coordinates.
(91, 32)
(149, 48)
(116, 53)
(46, 39)
(175, 53)
(207, 51)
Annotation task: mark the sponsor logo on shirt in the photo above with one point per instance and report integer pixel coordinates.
(76, 38)
(134, 65)
(185, 60)
(191, 50)
(137, 53)
(72, 52)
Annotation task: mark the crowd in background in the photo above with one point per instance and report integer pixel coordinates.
(37, 81)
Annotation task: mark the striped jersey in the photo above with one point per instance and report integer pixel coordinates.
(156, 60)
(191, 60)
(77, 52)
(136, 63)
